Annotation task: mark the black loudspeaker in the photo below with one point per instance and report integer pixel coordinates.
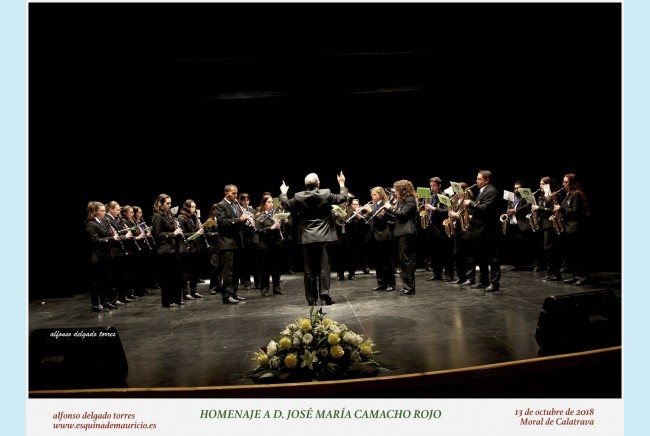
(581, 321)
(76, 358)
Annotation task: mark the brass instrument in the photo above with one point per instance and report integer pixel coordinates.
(465, 218)
(342, 211)
(532, 217)
(362, 211)
(556, 218)
(424, 214)
(449, 223)
(392, 200)
(504, 223)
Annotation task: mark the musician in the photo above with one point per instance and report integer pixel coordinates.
(119, 253)
(357, 237)
(137, 248)
(212, 235)
(381, 241)
(146, 255)
(189, 251)
(249, 257)
(405, 231)
(100, 258)
(231, 221)
(439, 245)
(485, 232)
(316, 229)
(167, 235)
(460, 238)
(519, 231)
(574, 211)
(550, 243)
(268, 247)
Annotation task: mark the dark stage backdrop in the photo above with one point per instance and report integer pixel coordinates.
(183, 99)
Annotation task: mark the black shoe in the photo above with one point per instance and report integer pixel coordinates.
(538, 269)
(366, 271)
(197, 295)
(352, 278)
(174, 305)
(491, 288)
(237, 297)
(213, 291)
(407, 292)
(188, 297)
(468, 283)
(110, 306)
(230, 300)
(278, 291)
(459, 282)
(340, 278)
(264, 292)
(448, 279)
(432, 278)
(428, 268)
(327, 300)
(390, 289)
(99, 308)
(379, 288)
(551, 278)
(478, 286)
(569, 281)
(580, 282)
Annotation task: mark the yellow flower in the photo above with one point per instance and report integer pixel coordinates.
(327, 322)
(333, 338)
(366, 348)
(337, 351)
(285, 343)
(305, 325)
(291, 361)
(262, 359)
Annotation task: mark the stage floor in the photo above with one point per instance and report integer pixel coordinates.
(206, 343)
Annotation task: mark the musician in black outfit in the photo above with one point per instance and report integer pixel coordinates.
(485, 232)
(439, 244)
(316, 229)
(188, 250)
(519, 231)
(381, 240)
(549, 237)
(120, 251)
(404, 213)
(100, 258)
(268, 247)
(167, 235)
(574, 211)
(231, 221)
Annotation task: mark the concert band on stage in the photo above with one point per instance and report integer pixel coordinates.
(448, 231)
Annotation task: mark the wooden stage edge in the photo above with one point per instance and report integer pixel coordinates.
(586, 374)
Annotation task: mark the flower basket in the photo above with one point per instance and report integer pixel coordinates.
(316, 348)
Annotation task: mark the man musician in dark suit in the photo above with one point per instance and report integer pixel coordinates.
(316, 228)
(231, 222)
(485, 232)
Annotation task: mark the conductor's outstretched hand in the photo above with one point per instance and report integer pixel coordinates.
(341, 179)
(284, 188)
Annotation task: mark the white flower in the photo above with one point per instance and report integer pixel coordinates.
(272, 348)
(296, 342)
(307, 339)
(352, 338)
(274, 362)
(297, 334)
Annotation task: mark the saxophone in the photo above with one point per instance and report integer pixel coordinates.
(532, 217)
(504, 223)
(449, 223)
(464, 210)
(424, 215)
(556, 218)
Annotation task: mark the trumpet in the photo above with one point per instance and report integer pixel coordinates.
(392, 201)
(362, 211)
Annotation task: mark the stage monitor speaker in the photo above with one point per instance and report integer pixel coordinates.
(580, 321)
(76, 358)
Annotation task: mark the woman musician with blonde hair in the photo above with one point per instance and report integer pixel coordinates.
(381, 240)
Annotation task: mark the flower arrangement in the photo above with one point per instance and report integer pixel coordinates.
(316, 348)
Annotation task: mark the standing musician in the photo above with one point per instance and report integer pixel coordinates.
(460, 238)
(100, 260)
(212, 235)
(549, 237)
(119, 252)
(189, 251)
(404, 214)
(574, 212)
(438, 244)
(138, 247)
(268, 247)
(313, 207)
(249, 257)
(146, 255)
(485, 232)
(381, 240)
(231, 219)
(519, 231)
(167, 236)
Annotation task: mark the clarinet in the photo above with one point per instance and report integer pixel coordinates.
(178, 226)
(128, 229)
(207, 244)
(143, 230)
(113, 233)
